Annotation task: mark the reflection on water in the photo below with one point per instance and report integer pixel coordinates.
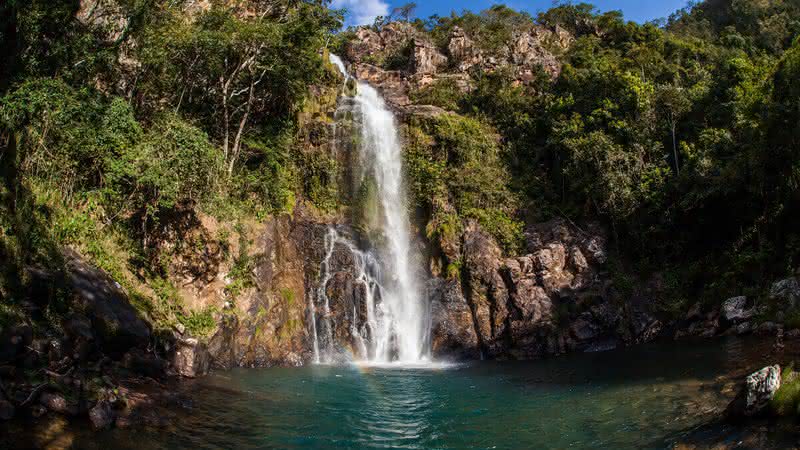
(648, 397)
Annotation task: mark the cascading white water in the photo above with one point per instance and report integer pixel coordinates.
(396, 329)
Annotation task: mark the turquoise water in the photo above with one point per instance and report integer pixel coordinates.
(649, 397)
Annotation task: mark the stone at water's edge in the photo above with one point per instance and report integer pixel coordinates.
(759, 388)
(555, 299)
(191, 358)
(787, 291)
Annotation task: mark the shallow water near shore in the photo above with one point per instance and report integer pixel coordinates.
(652, 396)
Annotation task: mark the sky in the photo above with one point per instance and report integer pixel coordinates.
(364, 11)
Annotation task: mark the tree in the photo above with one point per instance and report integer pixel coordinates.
(673, 103)
(405, 12)
(250, 68)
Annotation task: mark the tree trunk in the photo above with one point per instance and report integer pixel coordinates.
(237, 143)
(675, 149)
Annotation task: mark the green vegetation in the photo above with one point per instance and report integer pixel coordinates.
(117, 134)
(680, 135)
(786, 401)
(455, 161)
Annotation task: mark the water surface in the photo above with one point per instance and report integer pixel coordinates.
(648, 397)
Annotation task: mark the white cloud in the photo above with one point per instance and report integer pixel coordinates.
(361, 12)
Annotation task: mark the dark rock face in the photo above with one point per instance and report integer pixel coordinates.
(453, 331)
(112, 316)
(555, 299)
(7, 410)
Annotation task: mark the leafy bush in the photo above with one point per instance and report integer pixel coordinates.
(443, 93)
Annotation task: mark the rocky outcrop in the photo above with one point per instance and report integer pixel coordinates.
(400, 58)
(453, 330)
(268, 324)
(735, 310)
(556, 298)
(426, 58)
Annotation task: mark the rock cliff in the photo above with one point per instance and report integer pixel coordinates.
(400, 58)
(556, 298)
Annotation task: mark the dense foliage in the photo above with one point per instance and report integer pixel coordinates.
(681, 135)
(121, 118)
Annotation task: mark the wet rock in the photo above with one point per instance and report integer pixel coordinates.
(759, 388)
(14, 342)
(144, 363)
(191, 358)
(101, 416)
(584, 329)
(744, 328)
(38, 411)
(453, 333)
(694, 313)
(223, 347)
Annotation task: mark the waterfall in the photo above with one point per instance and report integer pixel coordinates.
(396, 328)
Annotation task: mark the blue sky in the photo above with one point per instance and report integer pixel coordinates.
(364, 11)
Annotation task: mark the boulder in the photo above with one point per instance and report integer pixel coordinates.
(767, 328)
(57, 404)
(101, 416)
(734, 310)
(14, 342)
(786, 291)
(145, 363)
(191, 358)
(744, 328)
(759, 388)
